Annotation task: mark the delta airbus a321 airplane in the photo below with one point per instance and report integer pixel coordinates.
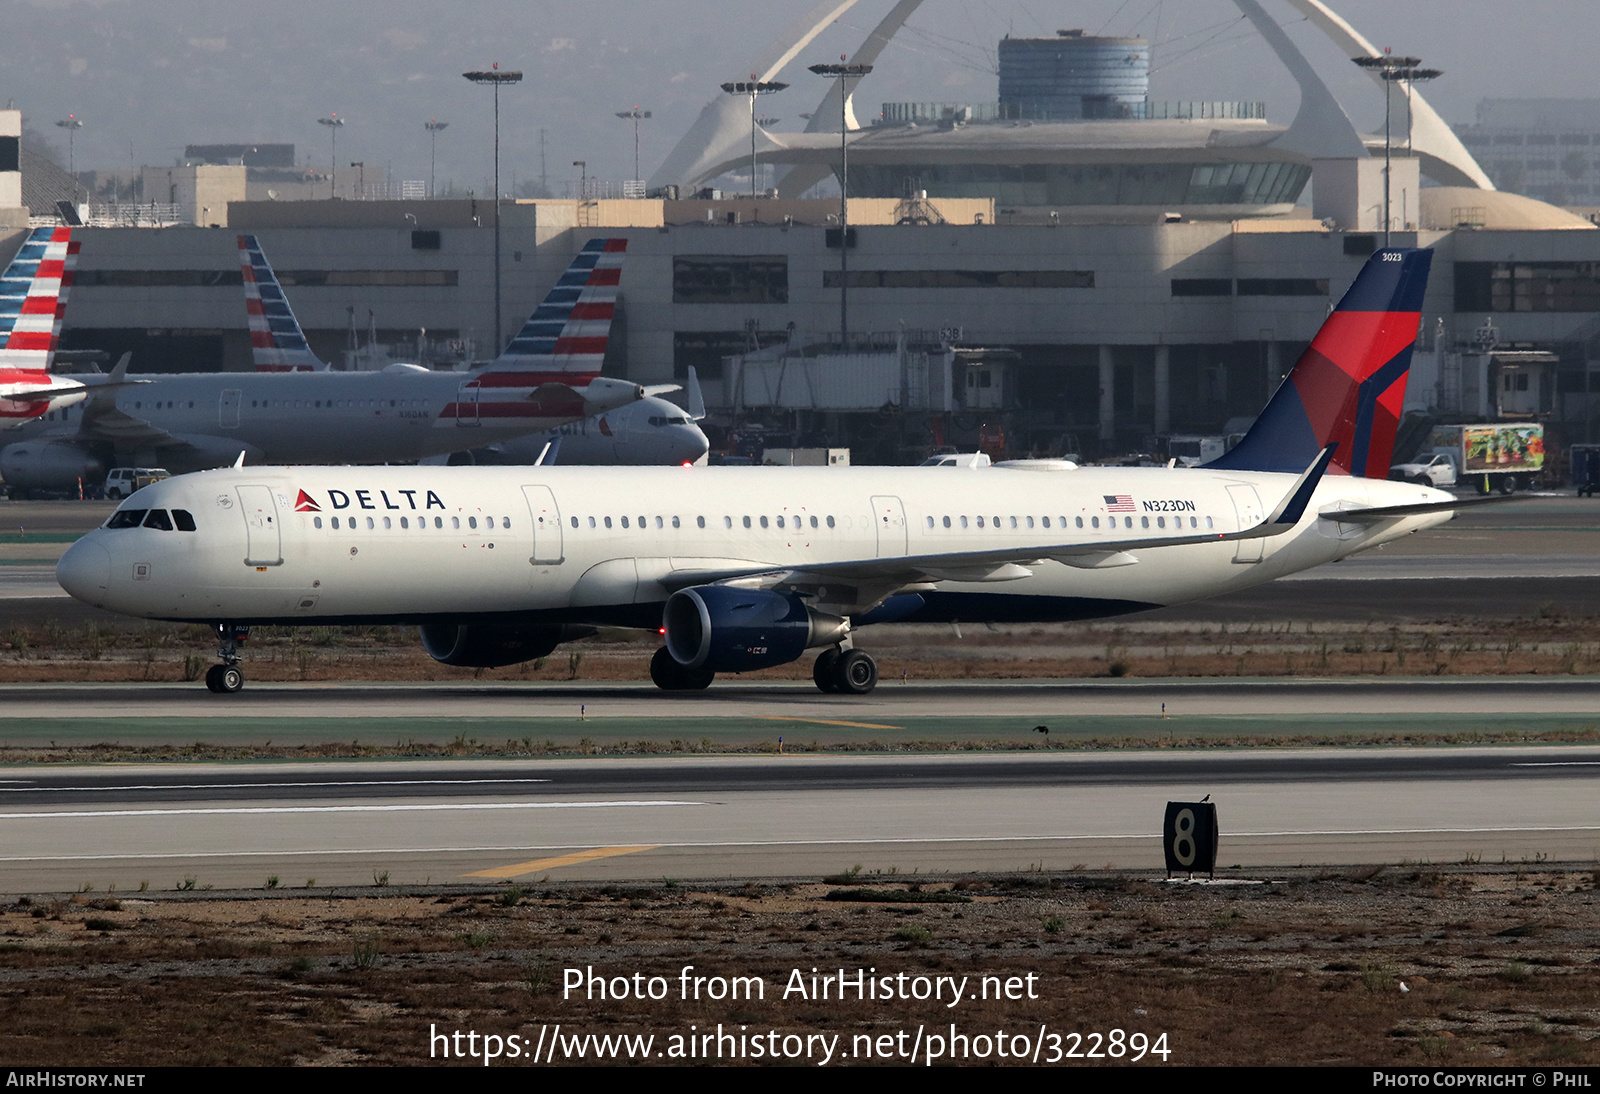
(747, 568)
(33, 291)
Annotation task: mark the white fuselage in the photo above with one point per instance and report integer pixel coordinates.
(191, 422)
(650, 432)
(575, 544)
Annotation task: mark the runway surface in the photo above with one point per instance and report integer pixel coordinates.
(685, 818)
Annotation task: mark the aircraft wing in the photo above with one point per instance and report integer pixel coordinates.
(884, 576)
(103, 420)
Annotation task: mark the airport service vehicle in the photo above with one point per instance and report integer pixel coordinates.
(548, 375)
(1585, 468)
(747, 568)
(33, 291)
(125, 480)
(1504, 456)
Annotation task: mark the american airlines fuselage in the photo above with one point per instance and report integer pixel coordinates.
(402, 413)
(592, 546)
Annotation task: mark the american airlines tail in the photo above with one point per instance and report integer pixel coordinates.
(1349, 387)
(564, 340)
(276, 341)
(33, 295)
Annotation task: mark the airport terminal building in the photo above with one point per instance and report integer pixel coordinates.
(1073, 266)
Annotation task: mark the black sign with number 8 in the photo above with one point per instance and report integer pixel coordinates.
(1189, 838)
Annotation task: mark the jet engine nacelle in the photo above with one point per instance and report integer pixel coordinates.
(50, 465)
(722, 628)
(487, 646)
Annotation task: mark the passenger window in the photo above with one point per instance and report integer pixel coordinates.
(608, 522)
(675, 522)
(660, 525)
(316, 522)
(335, 523)
(947, 522)
(642, 523)
(980, 522)
(404, 523)
(574, 522)
(930, 522)
(963, 522)
(1095, 521)
(763, 522)
(830, 522)
(438, 522)
(727, 522)
(386, 524)
(1077, 522)
(700, 522)
(813, 522)
(1046, 522)
(747, 522)
(1127, 522)
(1144, 522)
(1030, 522)
(625, 522)
(472, 522)
(370, 525)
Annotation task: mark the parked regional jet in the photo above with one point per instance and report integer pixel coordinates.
(548, 375)
(33, 290)
(747, 568)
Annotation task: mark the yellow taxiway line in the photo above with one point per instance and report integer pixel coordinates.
(561, 860)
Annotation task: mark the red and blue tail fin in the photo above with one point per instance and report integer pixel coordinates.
(33, 297)
(564, 340)
(1349, 388)
(276, 341)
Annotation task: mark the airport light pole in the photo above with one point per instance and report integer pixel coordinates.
(72, 123)
(635, 114)
(494, 77)
(361, 177)
(333, 122)
(432, 125)
(1392, 70)
(843, 72)
(753, 88)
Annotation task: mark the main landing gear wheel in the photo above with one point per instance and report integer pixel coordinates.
(671, 676)
(224, 679)
(845, 672)
(824, 672)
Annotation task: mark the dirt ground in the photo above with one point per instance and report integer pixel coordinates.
(1544, 640)
(1407, 965)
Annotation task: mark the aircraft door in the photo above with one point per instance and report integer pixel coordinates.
(467, 404)
(228, 408)
(547, 547)
(265, 541)
(1247, 506)
(890, 518)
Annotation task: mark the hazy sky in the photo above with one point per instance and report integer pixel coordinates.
(149, 76)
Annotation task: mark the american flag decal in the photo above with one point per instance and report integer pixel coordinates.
(1118, 503)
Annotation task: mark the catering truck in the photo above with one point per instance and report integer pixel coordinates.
(1504, 456)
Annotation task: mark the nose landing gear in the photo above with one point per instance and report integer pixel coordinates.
(228, 677)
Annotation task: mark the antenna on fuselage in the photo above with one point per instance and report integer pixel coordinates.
(240, 461)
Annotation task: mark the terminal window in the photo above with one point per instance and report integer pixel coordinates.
(744, 279)
(10, 153)
(1527, 286)
(963, 279)
(1202, 286)
(1283, 286)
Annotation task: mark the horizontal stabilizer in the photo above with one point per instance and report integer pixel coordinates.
(1389, 512)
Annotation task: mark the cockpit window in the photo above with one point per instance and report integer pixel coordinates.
(183, 519)
(158, 518)
(126, 518)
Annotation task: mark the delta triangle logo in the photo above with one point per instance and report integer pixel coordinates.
(304, 504)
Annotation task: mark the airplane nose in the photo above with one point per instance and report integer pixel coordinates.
(85, 572)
